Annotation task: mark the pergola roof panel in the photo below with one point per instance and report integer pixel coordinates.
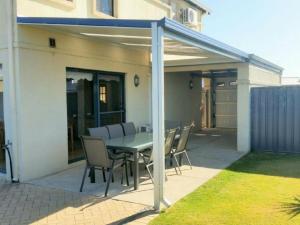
(179, 39)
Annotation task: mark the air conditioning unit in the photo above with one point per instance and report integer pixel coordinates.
(189, 17)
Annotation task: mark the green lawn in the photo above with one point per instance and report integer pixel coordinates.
(259, 189)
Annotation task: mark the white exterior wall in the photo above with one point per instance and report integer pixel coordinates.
(243, 109)
(290, 80)
(7, 72)
(3, 34)
(181, 102)
(263, 77)
(42, 93)
(146, 9)
(123, 9)
(129, 9)
(3, 26)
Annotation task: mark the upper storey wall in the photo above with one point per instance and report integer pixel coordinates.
(122, 9)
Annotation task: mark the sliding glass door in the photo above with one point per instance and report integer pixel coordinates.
(93, 99)
(111, 99)
(80, 110)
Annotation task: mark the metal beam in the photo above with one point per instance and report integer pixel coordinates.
(215, 73)
(158, 115)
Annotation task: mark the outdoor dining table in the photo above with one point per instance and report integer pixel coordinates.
(133, 144)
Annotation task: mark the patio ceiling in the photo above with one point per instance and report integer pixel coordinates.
(130, 33)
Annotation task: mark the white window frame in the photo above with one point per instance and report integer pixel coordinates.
(66, 3)
(103, 15)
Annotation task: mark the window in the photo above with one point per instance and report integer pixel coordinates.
(105, 6)
(233, 83)
(103, 94)
(220, 84)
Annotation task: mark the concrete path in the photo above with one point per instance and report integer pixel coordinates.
(55, 199)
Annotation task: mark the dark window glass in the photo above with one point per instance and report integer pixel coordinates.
(105, 6)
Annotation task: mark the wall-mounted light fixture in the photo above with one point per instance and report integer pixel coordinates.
(52, 43)
(136, 80)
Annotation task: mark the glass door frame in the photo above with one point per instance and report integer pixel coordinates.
(97, 74)
(97, 109)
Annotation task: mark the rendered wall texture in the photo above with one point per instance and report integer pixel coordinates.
(123, 9)
(42, 92)
(182, 103)
(146, 9)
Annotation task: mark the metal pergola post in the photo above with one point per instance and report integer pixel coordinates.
(158, 114)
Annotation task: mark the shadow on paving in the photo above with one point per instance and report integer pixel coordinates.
(137, 216)
(27, 204)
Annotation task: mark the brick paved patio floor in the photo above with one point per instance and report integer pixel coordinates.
(55, 200)
(30, 204)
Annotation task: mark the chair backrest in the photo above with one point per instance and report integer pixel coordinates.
(99, 132)
(169, 141)
(95, 151)
(170, 136)
(184, 137)
(129, 128)
(115, 130)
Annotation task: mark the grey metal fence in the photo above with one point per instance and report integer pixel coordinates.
(275, 119)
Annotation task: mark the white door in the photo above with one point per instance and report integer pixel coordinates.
(226, 102)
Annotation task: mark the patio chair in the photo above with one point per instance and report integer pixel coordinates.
(181, 146)
(98, 157)
(115, 130)
(129, 128)
(99, 132)
(148, 159)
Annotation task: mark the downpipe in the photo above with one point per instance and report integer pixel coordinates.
(6, 149)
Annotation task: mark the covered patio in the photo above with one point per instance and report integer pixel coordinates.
(168, 42)
(210, 151)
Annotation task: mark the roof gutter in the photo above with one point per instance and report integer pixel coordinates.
(117, 23)
(260, 62)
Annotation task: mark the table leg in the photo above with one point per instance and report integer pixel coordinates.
(136, 171)
(92, 175)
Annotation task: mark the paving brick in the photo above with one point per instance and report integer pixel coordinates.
(30, 204)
